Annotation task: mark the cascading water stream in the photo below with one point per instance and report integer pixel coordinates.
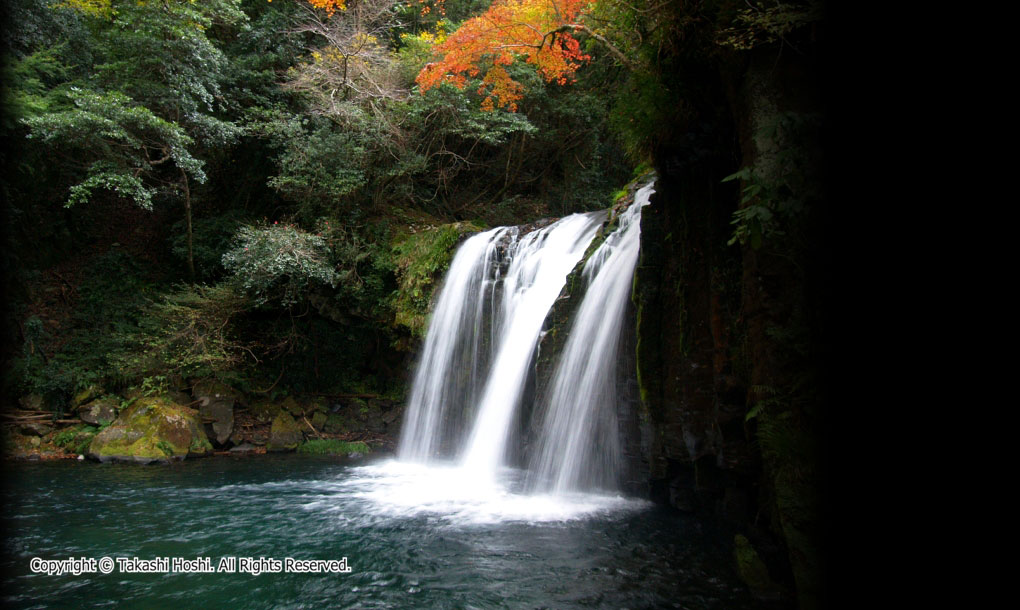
(448, 378)
(538, 270)
(480, 349)
(579, 445)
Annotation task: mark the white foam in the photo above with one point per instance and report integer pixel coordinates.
(461, 496)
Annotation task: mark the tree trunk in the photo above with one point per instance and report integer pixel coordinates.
(187, 216)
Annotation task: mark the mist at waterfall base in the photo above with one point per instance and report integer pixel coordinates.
(455, 521)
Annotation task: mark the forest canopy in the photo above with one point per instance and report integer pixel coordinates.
(207, 143)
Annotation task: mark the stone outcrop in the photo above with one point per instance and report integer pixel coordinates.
(151, 430)
(285, 434)
(98, 412)
(216, 405)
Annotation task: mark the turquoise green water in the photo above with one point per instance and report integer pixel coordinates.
(407, 544)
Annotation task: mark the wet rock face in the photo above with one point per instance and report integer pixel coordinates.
(216, 402)
(151, 430)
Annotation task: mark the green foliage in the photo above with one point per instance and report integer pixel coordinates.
(210, 241)
(420, 259)
(329, 162)
(31, 83)
(638, 112)
(760, 23)
(162, 54)
(364, 268)
(65, 436)
(54, 380)
(155, 385)
(778, 191)
(99, 335)
(188, 333)
(118, 141)
(76, 439)
(330, 446)
(279, 263)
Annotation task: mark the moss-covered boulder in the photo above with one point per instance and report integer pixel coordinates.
(85, 396)
(151, 430)
(98, 412)
(285, 435)
(35, 428)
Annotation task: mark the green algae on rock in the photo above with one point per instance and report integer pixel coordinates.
(151, 430)
(285, 434)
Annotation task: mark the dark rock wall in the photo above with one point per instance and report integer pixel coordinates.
(687, 295)
(728, 344)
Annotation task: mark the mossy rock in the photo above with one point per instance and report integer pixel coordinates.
(98, 412)
(181, 398)
(211, 390)
(285, 435)
(421, 258)
(216, 402)
(335, 424)
(32, 402)
(87, 395)
(293, 407)
(319, 420)
(151, 430)
(265, 410)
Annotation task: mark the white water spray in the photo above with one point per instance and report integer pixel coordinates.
(538, 270)
(448, 378)
(479, 355)
(579, 446)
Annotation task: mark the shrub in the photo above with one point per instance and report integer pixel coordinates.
(279, 263)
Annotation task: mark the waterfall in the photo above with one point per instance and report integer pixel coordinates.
(579, 446)
(538, 270)
(448, 379)
(481, 345)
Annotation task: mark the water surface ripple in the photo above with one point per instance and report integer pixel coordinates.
(414, 537)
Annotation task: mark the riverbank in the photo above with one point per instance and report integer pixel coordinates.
(206, 418)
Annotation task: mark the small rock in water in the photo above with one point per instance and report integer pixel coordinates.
(355, 454)
(81, 457)
(243, 448)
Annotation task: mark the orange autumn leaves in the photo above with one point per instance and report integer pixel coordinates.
(330, 6)
(536, 30)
